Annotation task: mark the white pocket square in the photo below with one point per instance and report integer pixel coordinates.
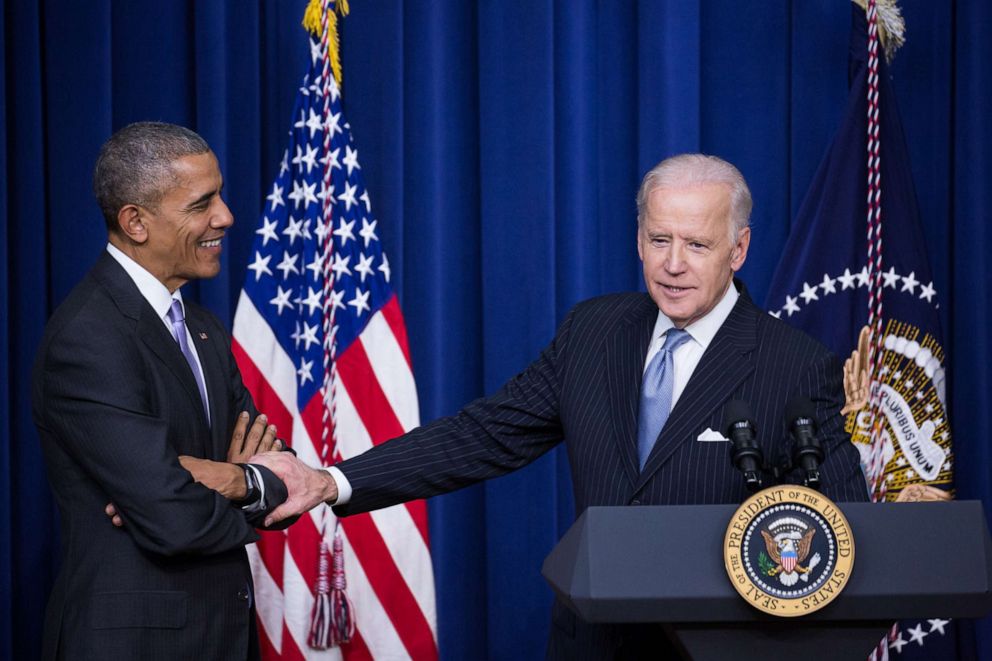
(710, 435)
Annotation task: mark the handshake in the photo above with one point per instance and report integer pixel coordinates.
(257, 445)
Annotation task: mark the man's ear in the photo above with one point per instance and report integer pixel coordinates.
(131, 223)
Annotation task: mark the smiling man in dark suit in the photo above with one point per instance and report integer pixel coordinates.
(138, 402)
(636, 385)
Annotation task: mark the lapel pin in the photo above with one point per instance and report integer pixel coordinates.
(203, 336)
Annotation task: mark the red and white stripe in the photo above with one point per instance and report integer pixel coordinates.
(390, 579)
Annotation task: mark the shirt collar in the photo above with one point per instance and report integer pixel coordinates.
(151, 289)
(702, 330)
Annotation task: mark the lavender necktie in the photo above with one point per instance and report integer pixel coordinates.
(656, 393)
(179, 334)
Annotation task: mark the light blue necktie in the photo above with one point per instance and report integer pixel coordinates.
(656, 393)
(179, 334)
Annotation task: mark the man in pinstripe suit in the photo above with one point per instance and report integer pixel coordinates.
(585, 390)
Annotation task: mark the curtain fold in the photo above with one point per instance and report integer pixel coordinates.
(502, 143)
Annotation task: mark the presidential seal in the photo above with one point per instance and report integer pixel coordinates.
(788, 551)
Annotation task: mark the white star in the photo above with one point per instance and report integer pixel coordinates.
(364, 197)
(299, 156)
(384, 267)
(809, 293)
(901, 461)
(314, 124)
(910, 474)
(337, 299)
(288, 265)
(863, 277)
(260, 266)
(310, 158)
(909, 283)
(884, 370)
(335, 92)
(828, 285)
(295, 336)
(897, 375)
(304, 371)
(308, 193)
(917, 634)
(847, 280)
(928, 292)
(315, 53)
(316, 266)
(938, 625)
(920, 395)
(361, 301)
(898, 643)
(326, 191)
(275, 197)
(344, 231)
(351, 159)
(790, 305)
(309, 335)
(330, 160)
(268, 231)
(284, 165)
(306, 228)
(909, 384)
(294, 229)
(368, 231)
(312, 300)
(332, 124)
(364, 266)
(890, 277)
(348, 196)
(303, 118)
(928, 408)
(297, 195)
(282, 299)
(340, 265)
(321, 230)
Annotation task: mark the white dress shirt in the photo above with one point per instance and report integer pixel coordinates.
(702, 332)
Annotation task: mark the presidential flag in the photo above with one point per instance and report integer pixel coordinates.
(321, 343)
(856, 257)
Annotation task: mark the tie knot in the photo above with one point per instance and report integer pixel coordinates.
(176, 312)
(675, 338)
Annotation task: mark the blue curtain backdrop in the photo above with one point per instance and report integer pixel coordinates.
(502, 144)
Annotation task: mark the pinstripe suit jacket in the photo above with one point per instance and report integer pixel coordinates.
(115, 404)
(585, 388)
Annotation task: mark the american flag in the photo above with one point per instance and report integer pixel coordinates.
(316, 258)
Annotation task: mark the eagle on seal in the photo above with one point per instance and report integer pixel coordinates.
(788, 550)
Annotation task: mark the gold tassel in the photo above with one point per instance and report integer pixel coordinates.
(891, 25)
(312, 18)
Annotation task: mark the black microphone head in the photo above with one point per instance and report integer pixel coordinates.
(800, 407)
(737, 410)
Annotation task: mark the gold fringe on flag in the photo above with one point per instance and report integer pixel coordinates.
(312, 18)
(891, 25)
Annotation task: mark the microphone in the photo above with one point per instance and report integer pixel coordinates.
(744, 450)
(800, 415)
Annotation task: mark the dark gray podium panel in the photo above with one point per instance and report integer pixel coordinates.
(665, 564)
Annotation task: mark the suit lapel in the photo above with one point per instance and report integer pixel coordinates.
(728, 360)
(624, 368)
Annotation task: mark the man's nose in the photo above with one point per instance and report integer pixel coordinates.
(675, 260)
(223, 218)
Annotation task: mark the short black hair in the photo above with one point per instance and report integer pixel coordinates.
(135, 165)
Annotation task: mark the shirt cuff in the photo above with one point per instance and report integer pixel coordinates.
(344, 486)
(259, 504)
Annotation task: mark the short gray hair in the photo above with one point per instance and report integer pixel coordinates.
(135, 165)
(687, 170)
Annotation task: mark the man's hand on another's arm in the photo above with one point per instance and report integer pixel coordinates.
(307, 487)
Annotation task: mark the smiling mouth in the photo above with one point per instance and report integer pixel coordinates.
(215, 243)
(674, 290)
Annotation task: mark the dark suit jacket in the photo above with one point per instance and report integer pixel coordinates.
(584, 389)
(115, 404)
